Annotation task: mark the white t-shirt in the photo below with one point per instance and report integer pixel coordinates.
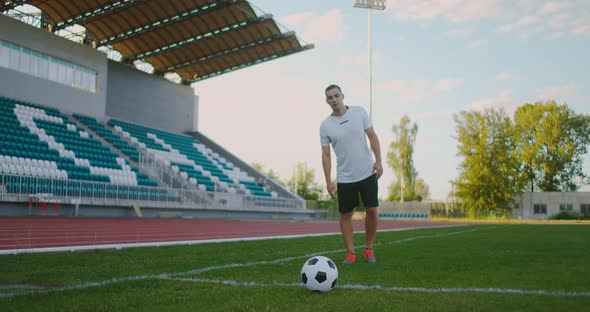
(347, 135)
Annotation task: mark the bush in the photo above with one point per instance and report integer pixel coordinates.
(495, 214)
(328, 209)
(566, 215)
(450, 213)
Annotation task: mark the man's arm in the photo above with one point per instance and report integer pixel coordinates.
(374, 141)
(327, 166)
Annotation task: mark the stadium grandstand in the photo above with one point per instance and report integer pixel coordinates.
(99, 119)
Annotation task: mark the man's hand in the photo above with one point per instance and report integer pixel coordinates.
(378, 168)
(332, 189)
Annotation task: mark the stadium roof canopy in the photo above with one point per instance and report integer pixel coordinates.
(197, 39)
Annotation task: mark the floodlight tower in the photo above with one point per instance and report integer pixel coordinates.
(370, 5)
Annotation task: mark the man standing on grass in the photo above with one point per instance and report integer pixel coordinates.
(356, 171)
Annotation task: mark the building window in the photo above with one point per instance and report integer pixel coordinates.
(46, 67)
(566, 207)
(540, 208)
(585, 209)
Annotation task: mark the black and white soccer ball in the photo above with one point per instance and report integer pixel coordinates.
(319, 274)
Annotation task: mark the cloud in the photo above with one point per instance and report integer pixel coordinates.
(315, 28)
(406, 90)
(555, 36)
(359, 59)
(552, 20)
(415, 90)
(571, 94)
(478, 9)
(410, 10)
(296, 19)
(429, 115)
(555, 6)
(477, 44)
(453, 10)
(559, 20)
(353, 59)
(506, 28)
(504, 99)
(557, 93)
(505, 76)
(459, 33)
(502, 78)
(521, 24)
(583, 30)
(525, 18)
(448, 84)
(580, 26)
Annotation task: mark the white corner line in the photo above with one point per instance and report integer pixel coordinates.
(491, 290)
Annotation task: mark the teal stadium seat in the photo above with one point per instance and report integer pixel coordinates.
(40, 142)
(192, 159)
(50, 154)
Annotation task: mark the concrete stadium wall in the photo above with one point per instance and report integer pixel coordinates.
(411, 209)
(122, 91)
(8, 209)
(28, 88)
(523, 204)
(150, 100)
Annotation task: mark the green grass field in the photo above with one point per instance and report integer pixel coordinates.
(468, 268)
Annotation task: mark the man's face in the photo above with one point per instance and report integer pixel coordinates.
(334, 98)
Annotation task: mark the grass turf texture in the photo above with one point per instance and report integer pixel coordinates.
(524, 257)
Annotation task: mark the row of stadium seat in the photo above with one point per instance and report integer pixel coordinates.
(192, 159)
(31, 185)
(404, 215)
(40, 142)
(109, 136)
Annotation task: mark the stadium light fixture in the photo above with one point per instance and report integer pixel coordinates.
(370, 5)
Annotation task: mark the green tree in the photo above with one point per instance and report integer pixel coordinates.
(488, 168)
(400, 158)
(551, 142)
(270, 173)
(422, 191)
(303, 183)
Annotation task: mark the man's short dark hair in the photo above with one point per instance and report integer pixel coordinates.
(332, 86)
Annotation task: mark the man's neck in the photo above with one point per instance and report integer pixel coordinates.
(340, 112)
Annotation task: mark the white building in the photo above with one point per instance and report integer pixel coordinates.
(542, 205)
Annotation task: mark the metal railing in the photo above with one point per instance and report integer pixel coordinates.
(18, 188)
(158, 170)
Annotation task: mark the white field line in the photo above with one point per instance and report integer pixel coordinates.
(210, 268)
(306, 256)
(538, 292)
(174, 276)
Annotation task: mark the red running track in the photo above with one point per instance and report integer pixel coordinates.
(27, 233)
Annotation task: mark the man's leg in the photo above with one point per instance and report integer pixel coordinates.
(371, 221)
(346, 228)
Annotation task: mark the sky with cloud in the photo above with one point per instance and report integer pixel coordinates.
(431, 60)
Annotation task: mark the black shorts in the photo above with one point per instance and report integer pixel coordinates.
(348, 194)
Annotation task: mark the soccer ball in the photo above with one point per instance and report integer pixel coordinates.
(319, 274)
